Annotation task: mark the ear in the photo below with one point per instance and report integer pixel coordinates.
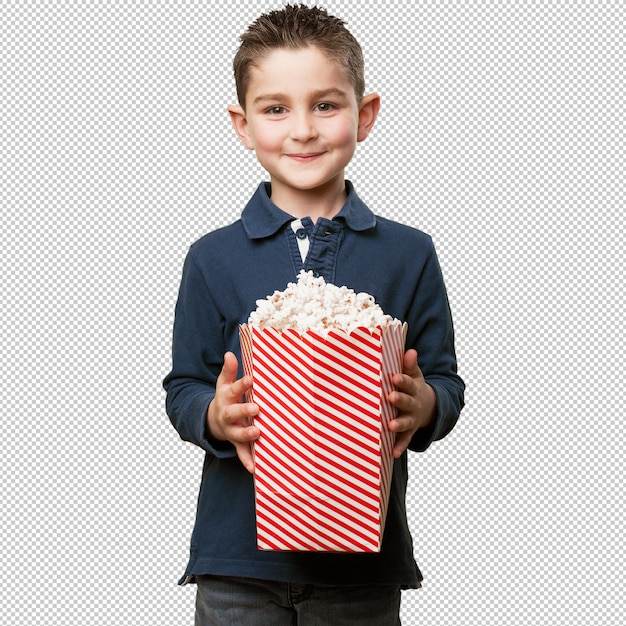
(368, 111)
(240, 124)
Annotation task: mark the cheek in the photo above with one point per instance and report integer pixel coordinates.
(267, 139)
(344, 134)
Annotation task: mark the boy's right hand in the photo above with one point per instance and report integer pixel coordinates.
(228, 417)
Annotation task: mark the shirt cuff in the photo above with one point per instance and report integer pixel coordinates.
(199, 430)
(425, 436)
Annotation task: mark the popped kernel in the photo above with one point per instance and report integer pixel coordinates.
(312, 304)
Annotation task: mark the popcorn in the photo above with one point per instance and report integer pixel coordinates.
(321, 359)
(312, 304)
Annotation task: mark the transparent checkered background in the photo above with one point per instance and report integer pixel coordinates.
(501, 135)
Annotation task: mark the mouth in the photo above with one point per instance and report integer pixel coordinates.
(304, 157)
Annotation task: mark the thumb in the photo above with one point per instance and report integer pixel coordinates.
(409, 364)
(229, 369)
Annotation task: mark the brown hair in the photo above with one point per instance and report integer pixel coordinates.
(295, 27)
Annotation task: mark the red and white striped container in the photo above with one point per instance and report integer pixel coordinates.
(324, 458)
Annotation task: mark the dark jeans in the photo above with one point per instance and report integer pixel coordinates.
(231, 601)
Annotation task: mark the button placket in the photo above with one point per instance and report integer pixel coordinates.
(299, 229)
(324, 247)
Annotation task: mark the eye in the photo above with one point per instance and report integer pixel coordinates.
(325, 107)
(276, 110)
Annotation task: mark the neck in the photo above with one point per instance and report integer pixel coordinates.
(314, 203)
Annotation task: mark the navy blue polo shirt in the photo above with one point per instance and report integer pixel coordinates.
(224, 274)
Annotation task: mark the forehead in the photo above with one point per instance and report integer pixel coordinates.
(292, 71)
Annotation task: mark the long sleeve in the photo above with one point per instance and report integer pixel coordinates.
(224, 275)
(433, 337)
(197, 355)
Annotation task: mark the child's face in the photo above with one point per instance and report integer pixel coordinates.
(303, 120)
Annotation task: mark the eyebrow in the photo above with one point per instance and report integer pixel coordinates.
(315, 95)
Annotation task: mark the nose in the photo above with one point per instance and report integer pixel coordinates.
(303, 126)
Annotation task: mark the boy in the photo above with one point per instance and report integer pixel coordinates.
(302, 109)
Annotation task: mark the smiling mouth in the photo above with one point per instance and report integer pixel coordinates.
(305, 157)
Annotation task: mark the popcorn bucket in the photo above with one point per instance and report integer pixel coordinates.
(324, 458)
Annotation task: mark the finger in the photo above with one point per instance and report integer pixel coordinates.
(236, 390)
(228, 374)
(401, 444)
(243, 446)
(404, 384)
(410, 358)
(402, 424)
(243, 434)
(409, 364)
(227, 379)
(244, 452)
(404, 402)
(239, 415)
(411, 373)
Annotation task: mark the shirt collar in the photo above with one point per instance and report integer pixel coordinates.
(262, 218)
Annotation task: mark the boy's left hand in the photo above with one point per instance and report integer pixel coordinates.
(415, 400)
